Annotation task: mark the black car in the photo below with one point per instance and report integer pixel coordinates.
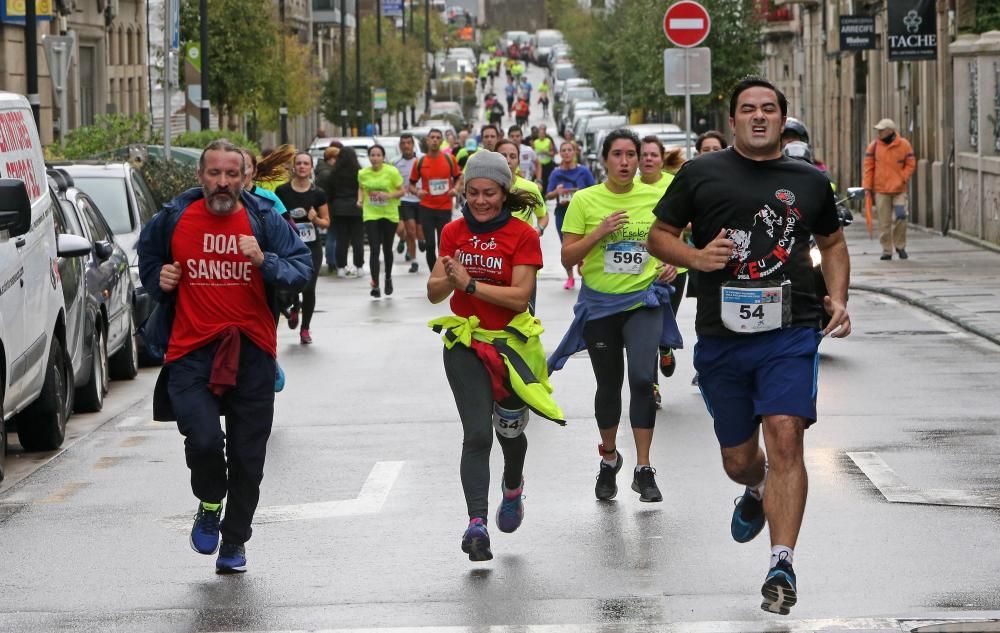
(98, 292)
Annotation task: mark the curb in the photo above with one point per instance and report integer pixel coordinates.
(928, 307)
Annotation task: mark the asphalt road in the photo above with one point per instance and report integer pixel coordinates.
(362, 511)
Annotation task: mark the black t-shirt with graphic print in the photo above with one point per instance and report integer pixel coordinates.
(769, 209)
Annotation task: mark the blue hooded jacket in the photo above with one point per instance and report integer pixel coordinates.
(287, 260)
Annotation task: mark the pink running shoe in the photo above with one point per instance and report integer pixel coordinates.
(570, 283)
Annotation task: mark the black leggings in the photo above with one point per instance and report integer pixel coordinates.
(381, 235)
(309, 292)
(433, 222)
(637, 332)
(678, 283)
(470, 383)
(350, 232)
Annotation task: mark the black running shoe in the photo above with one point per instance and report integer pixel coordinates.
(388, 286)
(607, 484)
(401, 246)
(422, 245)
(414, 267)
(779, 589)
(667, 362)
(645, 484)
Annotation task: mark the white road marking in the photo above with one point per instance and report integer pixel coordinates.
(895, 490)
(873, 625)
(370, 500)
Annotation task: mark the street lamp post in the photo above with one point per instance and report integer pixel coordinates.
(343, 67)
(357, 61)
(31, 67)
(427, 50)
(205, 105)
(283, 109)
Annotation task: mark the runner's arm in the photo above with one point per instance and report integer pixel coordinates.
(837, 275)
(665, 244)
(575, 246)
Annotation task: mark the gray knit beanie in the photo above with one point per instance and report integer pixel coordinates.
(490, 165)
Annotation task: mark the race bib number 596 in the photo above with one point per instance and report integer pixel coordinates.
(625, 257)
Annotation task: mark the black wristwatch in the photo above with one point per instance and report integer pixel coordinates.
(471, 288)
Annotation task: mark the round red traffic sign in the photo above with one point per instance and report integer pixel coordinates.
(686, 23)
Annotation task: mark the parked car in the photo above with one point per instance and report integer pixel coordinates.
(544, 40)
(359, 144)
(35, 390)
(560, 53)
(450, 111)
(126, 203)
(420, 132)
(99, 309)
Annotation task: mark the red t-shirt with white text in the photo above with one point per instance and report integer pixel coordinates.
(490, 259)
(436, 175)
(219, 287)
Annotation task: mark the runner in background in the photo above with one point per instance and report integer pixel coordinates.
(564, 182)
(409, 204)
(433, 181)
(307, 207)
(379, 189)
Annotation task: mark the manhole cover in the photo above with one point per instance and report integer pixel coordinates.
(984, 626)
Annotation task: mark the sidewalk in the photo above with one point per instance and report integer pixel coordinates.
(954, 280)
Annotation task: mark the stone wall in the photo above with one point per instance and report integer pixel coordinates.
(976, 67)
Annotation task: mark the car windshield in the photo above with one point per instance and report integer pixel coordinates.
(112, 200)
(566, 72)
(549, 39)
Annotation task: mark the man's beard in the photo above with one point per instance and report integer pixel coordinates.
(221, 201)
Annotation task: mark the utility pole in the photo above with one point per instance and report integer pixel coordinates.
(205, 104)
(403, 20)
(427, 49)
(31, 55)
(343, 67)
(283, 109)
(378, 22)
(357, 62)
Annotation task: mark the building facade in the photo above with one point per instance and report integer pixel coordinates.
(109, 70)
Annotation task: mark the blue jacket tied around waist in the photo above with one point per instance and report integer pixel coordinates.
(593, 304)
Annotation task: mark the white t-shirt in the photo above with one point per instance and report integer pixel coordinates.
(405, 167)
(527, 162)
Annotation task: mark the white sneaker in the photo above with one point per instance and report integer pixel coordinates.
(341, 272)
(351, 272)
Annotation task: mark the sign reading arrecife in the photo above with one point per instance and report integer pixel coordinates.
(857, 32)
(912, 30)
(686, 23)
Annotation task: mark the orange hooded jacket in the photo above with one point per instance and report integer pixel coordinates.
(888, 167)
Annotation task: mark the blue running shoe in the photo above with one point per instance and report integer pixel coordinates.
(779, 589)
(232, 559)
(511, 510)
(205, 531)
(748, 518)
(476, 541)
(279, 377)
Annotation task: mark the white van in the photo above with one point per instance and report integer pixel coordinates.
(37, 384)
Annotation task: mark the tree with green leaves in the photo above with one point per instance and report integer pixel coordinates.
(621, 50)
(246, 73)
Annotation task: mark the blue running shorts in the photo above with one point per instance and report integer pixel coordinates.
(743, 378)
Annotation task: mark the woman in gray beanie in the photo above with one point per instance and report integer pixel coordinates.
(488, 265)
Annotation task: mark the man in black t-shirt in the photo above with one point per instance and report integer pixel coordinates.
(752, 211)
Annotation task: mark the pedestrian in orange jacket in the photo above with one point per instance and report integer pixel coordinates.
(889, 165)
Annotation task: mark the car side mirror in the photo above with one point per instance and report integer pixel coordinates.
(15, 207)
(855, 192)
(592, 158)
(72, 245)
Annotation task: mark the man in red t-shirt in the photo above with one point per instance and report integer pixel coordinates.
(212, 254)
(433, 181)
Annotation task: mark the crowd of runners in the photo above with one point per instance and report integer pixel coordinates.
(731, 227)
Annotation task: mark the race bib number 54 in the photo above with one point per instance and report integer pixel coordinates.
(753, 309)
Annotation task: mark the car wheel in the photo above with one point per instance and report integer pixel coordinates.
(90, 397)
(42, 426)
(3, 437)
(125, 363)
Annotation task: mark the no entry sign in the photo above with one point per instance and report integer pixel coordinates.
(686, 24)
